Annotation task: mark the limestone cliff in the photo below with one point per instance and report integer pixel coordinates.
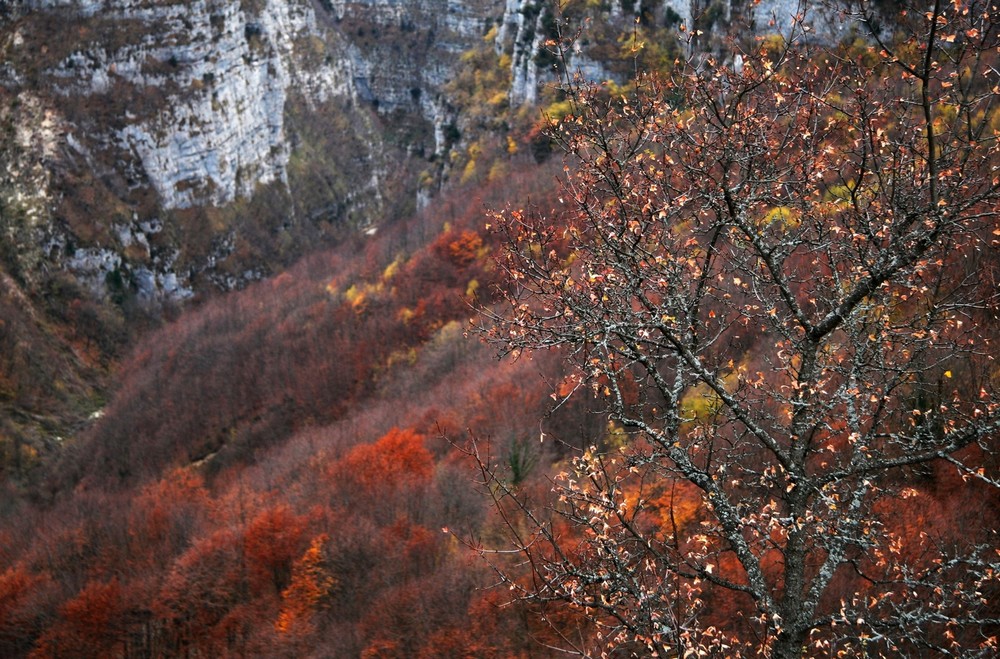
(121, 113)
(161, 145)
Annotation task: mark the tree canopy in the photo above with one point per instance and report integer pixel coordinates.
(780, 278)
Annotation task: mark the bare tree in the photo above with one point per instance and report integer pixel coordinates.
(782, 282)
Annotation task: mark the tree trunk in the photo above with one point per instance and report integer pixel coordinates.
(789, 645)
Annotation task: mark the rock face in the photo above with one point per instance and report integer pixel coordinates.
(245, 130)
(227, 133)
(155, 107)
(402, 54)
(224, 69)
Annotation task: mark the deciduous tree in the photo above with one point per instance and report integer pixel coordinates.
(771, 276)
(311, 586)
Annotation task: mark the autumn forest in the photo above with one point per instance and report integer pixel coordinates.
(698, 363)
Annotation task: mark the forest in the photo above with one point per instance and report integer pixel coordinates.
(697, 364)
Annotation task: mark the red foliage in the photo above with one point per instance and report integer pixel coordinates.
(203, 587)
(460, 247)
(25, 598)
(90, 625)
(271, 542)
(397, 460)
(311, 586)
(165, 515)
(223, 505)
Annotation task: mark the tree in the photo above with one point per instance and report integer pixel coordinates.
(204, 587)
(271, 543)
(26, 607)
(311, 585)
(397, 460)
(92, 624)
(779, 278)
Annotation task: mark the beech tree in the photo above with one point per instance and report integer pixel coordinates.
(781, 279)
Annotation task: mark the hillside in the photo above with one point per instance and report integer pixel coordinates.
(283, 454)
(160, 153)
(249, 254)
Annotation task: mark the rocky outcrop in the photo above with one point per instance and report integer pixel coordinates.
(522, 32)
(826, 21)
(133, 113)
(184, 101)
(403, 54)
(225, 68)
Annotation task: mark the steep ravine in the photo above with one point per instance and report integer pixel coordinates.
(152, 142)
(155, 150)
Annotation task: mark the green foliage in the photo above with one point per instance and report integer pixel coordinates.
(522, 457)
(481, 87)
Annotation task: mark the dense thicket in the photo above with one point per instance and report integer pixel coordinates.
(271, 476)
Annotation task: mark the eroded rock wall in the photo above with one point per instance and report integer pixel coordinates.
(122, 115)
